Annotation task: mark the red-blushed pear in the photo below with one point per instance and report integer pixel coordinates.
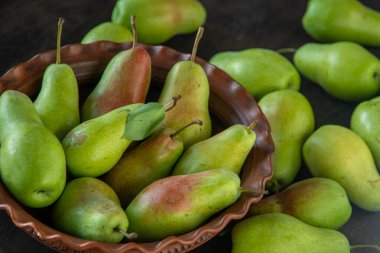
(178, 204)
(125, 80)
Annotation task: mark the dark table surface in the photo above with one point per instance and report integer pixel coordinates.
(29, 27)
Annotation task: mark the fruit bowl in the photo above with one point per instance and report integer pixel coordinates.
(229, 104)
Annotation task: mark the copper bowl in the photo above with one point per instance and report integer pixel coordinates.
(229, 104)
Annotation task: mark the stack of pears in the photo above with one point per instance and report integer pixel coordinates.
(126, 191)
(177, 204)
(153, 170)
(302, 217)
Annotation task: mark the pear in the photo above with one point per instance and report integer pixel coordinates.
(291, 119)
(94, 147)
(319, 202)
(277, 232)
(188, 79)
(345, 70)
(108, 31)
(338, 153)
(342, 20)
(227, 150)
(125, 80)
(159, 20)
(365, 122)
(260, 71)
(90, 209)
(58, 100)
(153, 159)
(178, 204)
(32, 160)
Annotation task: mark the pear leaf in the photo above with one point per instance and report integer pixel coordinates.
(143, 121)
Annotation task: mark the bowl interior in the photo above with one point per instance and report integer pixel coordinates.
(229, 104)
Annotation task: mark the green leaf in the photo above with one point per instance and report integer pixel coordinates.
(143, 121)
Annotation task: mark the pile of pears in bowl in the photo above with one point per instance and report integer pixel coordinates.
(123, 147)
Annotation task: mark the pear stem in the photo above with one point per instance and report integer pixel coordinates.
(366, 246)
(129, 236)
(198, 122)
(172, 103)
(252, 125)
(196, 43)
(133, 25)
(59, 34)
(254, 191)
(286, 50)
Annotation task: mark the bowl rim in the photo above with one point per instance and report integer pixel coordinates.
(67, 243)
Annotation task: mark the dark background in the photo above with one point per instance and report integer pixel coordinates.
(29, 27)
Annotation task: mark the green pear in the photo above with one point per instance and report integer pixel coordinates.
(291, 119)
(345, 70)
(94, 147)
(108, 31)
(365, 122)
(32, 160)
(159, 20)
(179, 204)
(319, 202)
(338, 153)
(125, 80)
(58, 100)
(153, 159)
(227, 150)
(277, 232)
(260, 71)
(90, 209)
(188, 79)
(342, 20)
